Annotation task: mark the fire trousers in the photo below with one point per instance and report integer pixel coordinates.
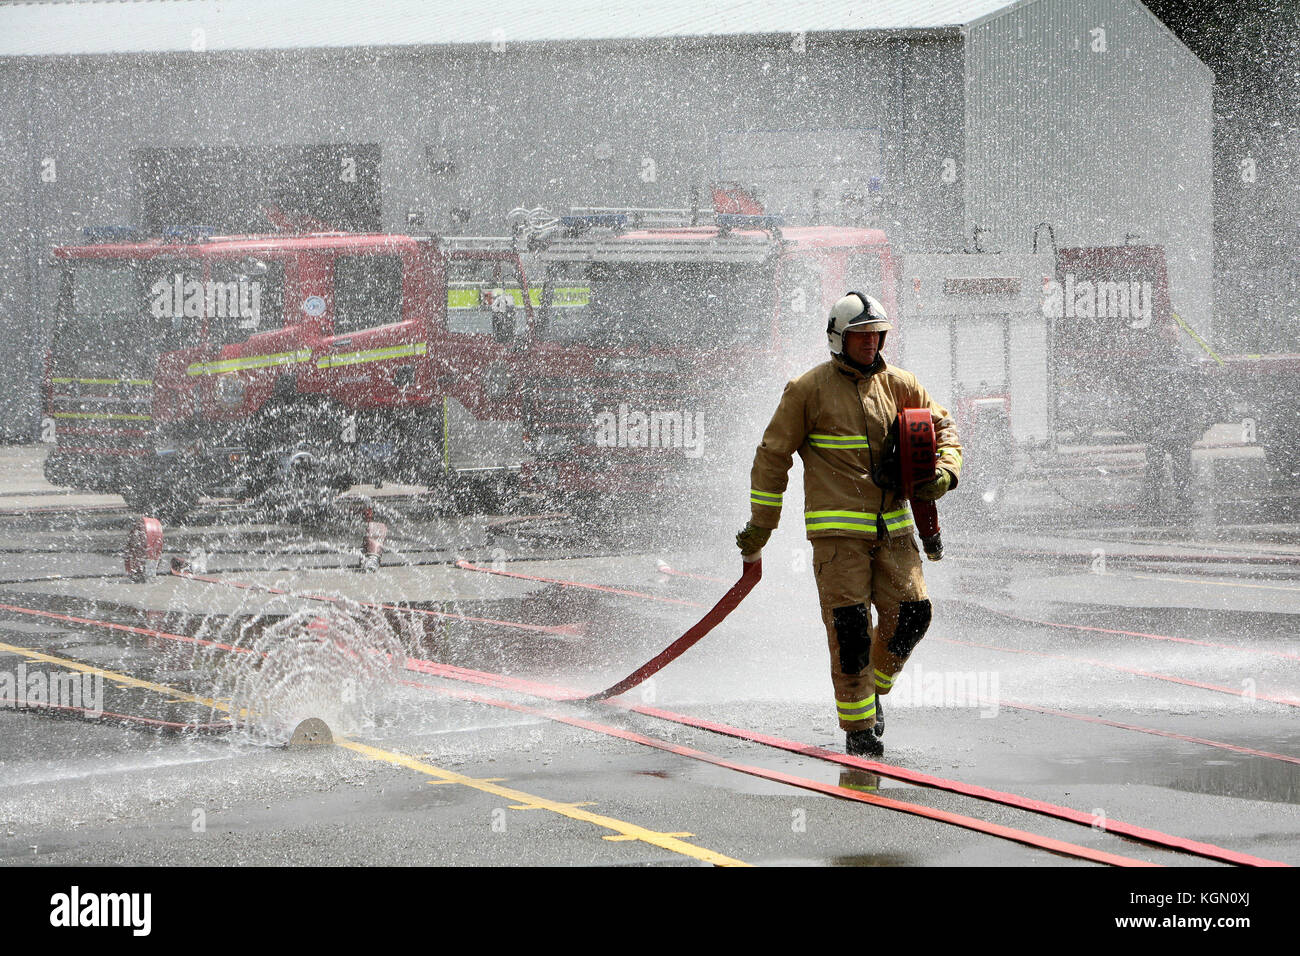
(853, 574)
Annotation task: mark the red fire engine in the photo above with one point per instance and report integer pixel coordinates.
(191, 365)
(664, 336)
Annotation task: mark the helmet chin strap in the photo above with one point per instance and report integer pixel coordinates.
(864, 369)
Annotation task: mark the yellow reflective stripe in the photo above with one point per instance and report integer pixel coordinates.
(112, 415)
(846, 706)
(102, 381)
(842, 520)
(573, 296)
(884, 680)
(463, 298)
(472, 298)
(896, 520)
(839, 521)
(247, 362)
(839, 441)
(856, 709)
(856, 520)
(372, 355)
(771, 499)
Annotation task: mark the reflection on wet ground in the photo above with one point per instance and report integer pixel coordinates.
(1189, 768)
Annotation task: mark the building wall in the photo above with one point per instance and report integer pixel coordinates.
(473, 128)
(587, 124)
(17, 194)
(1099, 143)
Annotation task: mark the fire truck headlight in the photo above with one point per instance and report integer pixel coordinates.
(231, 390)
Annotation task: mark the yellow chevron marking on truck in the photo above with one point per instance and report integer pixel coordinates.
(118, 416)
(1205, 346)
(473, 298)
(463, 298)
(569, 297)
(102, 381)
(246, 362)
(372, 355)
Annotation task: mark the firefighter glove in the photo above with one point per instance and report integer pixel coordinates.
(934, 489)
(751, 539)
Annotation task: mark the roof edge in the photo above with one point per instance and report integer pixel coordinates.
(1142, 7)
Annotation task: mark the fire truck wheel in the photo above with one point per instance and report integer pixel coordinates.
(296, 482)
(302, 490)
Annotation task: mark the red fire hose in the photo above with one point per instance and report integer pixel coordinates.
(917, 451)
(753, 570)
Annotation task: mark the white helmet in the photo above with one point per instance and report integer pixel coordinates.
(856, 311)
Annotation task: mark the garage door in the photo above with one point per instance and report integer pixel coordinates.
(230, 188)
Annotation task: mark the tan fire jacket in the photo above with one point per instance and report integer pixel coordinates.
(838, 420)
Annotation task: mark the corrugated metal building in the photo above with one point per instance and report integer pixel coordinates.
(934, 119)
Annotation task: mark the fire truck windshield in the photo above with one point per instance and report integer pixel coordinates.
(127, 309)
(659, 305)
(110, 310)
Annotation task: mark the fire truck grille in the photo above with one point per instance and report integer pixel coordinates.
(101, 416)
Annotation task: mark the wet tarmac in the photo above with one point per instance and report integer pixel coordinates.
(1136, 666)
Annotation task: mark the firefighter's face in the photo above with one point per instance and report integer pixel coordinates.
(862, 346)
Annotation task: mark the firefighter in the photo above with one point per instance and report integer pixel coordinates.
(838, 417)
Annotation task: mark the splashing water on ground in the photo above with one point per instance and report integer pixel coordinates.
(338, 662)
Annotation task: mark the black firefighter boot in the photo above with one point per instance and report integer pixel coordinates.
(866, 743)
(879, 728)
(863, 743)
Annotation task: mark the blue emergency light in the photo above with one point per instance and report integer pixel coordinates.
(110, 233)
(188, 233)
(616, 220)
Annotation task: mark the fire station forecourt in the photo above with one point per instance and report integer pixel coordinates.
(381, 673)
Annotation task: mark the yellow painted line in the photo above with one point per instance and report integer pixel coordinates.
(623, 838)
(122, 679)
(1225, 584)
(523, 801)
(621, 828)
